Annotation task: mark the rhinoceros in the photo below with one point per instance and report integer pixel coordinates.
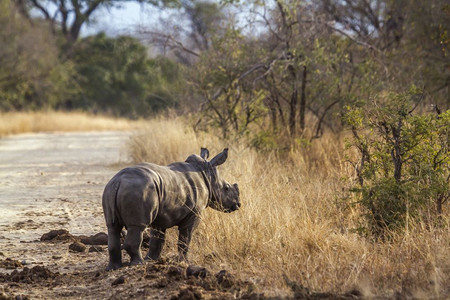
(162, 197)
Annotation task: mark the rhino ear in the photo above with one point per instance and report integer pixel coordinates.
(219, 158)
(204, 153)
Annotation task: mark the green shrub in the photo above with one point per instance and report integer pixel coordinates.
(116, 75)
(402, 167)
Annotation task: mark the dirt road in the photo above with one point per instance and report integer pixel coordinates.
(53, 181)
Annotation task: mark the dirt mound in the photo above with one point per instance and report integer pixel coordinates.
(77, 247)
(57, 235)
(35, 274)
(196, 271)
(100, 238)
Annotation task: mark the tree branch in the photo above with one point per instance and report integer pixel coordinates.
(42, 9)
(173, 42)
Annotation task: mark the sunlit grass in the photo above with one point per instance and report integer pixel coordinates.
(293, 224)
(45, 121)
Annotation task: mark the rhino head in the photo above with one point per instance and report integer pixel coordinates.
(225, 197)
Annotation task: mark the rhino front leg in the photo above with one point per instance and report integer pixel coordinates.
(115, 253)
(132, 244)
(184, 236)
(157, 239)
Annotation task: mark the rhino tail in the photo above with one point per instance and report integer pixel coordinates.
(111, 199)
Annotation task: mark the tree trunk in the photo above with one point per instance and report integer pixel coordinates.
(273, 117)
(74, 32)
(294, 102)
(439, 205)
(303, 101)
(396, 152)
(293, 109)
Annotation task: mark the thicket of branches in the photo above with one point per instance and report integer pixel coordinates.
(263, 69)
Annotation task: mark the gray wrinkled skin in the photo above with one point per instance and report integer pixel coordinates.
(162, 197)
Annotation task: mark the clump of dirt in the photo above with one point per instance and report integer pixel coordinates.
(119, 280)
(35, 274)
(196, 271)
(10, 264)
(57, 235)
(100, 238)
(96, 248)
(225, 279)
(77, 247)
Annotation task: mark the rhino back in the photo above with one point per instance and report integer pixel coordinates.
(161, 195)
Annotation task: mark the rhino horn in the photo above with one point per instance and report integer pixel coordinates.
(204, 153)
(220, 158)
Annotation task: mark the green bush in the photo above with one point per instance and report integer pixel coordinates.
(403, 163)
(116, 75)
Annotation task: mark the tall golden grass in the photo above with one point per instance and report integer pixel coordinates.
(42, 121)
(292, 223)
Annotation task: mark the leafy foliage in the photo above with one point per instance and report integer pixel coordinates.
(116, 75)
(403, 165)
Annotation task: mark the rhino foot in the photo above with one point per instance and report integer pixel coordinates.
(136, 261)
(113, 266)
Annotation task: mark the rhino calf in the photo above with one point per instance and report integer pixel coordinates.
(162, 197)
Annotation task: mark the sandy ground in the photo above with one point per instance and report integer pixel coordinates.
(54, 181)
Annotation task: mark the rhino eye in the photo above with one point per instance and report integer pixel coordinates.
(227, 187)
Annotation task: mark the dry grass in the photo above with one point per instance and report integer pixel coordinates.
(293, 224)
(24, 122)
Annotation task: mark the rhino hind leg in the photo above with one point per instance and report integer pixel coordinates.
(157, 239)
(132, 244)
(115, 253)
(185, 230)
